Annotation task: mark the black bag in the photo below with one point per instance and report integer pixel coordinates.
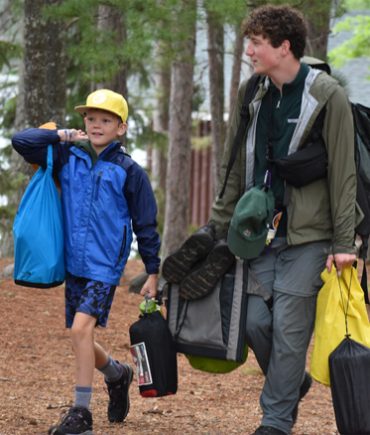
(310, 162)
(154, 355)
(349, 367)
(304, 166)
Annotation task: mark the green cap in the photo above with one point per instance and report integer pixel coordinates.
(250, 223)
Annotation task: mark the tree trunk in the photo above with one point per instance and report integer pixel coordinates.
(236, 68)
(35, 99)
(160, 125)
(162, 79)
(216, 87)
(111, 17)
(318, 18)
(179, 153)
(55, 69)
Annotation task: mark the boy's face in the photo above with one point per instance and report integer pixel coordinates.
(102, 128)
(264, 57)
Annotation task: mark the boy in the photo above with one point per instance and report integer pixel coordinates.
(104, 192)
(318, 219)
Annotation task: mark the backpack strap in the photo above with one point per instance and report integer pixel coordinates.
(361, 120)
(364, 274)
(250, 92)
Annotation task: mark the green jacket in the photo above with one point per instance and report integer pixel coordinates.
(322, 210)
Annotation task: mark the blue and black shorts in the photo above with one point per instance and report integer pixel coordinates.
(88, 296)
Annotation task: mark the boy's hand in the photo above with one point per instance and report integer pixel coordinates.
(150, 286)
(72, 135)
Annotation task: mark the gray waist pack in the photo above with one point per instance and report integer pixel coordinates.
(213, 326)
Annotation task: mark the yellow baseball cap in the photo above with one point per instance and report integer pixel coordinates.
(104, 99)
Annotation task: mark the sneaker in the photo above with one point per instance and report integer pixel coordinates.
(305, 386)
(119, 401)
(177, 265)
(268, 430)
(203, 280)
(77, 420)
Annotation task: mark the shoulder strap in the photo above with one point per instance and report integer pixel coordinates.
(49, 163)
(250, 91)
(364, 285)
(315, 133)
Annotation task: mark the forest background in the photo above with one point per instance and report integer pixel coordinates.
(54, 52)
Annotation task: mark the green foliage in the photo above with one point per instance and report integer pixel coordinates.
(358, 45)
(95, 51)
(7, 112)
(201, 143)
(141, 130)
(9, 183)
(95, 56)
(8, 51)
(356, 4)
(230, 12)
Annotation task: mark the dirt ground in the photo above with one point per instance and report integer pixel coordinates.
(37, 369)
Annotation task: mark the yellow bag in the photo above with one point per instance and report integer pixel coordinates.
(330, 323)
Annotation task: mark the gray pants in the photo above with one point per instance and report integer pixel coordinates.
(279, 337)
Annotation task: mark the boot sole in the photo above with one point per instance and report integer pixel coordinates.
(177, 265)
(55, 431)
(202, 281)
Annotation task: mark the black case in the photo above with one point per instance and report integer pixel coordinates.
(154, 354)
(349, 366)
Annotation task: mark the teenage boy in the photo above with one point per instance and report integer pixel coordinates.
(318, 219)
(105, 195)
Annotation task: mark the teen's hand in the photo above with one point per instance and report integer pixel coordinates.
(150, 286)
(340, 261)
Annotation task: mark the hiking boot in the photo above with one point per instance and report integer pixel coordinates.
(305, 386)
(77, 420)
(268, 430)
(203, 280)
(177, 265)
(119, 401)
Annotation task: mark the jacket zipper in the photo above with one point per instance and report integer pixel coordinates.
(123, 245)
(93, 197)
(97, 185)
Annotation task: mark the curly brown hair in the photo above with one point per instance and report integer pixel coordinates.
(278, 23)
